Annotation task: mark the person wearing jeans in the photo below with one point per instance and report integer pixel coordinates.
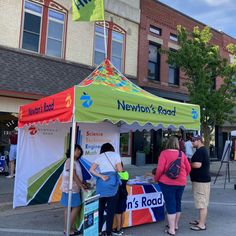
(12, 154)
(172, 189)
(105, 168)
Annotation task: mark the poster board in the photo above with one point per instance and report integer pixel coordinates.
(92, 136)
(226, 153)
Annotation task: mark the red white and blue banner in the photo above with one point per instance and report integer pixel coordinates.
(145, 204)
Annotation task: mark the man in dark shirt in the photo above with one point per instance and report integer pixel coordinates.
(201, 179)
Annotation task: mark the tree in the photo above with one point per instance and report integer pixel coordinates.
(203, 65)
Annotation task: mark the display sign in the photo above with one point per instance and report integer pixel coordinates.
(93, 136)
(91, 206)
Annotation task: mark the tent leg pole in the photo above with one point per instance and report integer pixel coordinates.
(68, 222)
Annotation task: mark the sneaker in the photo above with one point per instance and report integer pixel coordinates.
(103, 233)
(117, 232)
(10, 176)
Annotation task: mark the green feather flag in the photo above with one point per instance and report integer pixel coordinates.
(88, 10)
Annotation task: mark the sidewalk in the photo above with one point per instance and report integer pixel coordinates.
(7, 185)
(41, 220)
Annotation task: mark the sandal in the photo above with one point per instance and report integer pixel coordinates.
(76, 232)
(167, 231)
(197, 228)
(194, 222)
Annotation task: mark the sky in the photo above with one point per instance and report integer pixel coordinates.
(218, 14)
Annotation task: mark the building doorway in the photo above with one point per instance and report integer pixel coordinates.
(8, 121)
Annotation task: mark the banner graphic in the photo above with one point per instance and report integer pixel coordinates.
(88, 10)
(40, 163)
(92, 136)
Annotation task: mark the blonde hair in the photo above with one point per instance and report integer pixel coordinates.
(172, 143)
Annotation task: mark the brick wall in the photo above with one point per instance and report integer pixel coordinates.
(159, 15)
(10, 15)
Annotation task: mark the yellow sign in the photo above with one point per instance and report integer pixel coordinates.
(88, 10)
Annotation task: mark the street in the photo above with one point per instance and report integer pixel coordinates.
(42, 220)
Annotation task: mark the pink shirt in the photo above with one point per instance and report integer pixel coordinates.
(166, 157)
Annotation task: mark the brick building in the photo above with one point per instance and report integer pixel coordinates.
(42, 51)
(158, 30)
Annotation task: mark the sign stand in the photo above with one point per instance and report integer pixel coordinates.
(225, 159)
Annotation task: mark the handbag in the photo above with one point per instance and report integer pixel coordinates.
(174, 168)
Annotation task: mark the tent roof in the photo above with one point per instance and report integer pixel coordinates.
(106, 94)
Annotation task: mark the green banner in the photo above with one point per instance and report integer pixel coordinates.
(88, 10)
(102, 104)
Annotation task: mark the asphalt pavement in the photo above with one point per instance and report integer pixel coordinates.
(47, 219)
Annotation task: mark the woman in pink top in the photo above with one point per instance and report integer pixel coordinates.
(172, 189)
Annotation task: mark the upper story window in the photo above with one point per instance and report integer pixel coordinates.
(44, 28)
(154, 62)
(32, 26)
(155, 30)
(115, 41)
(55, 33)
(173, 37)
(173, 74)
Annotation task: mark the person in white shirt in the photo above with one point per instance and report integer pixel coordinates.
(105, 167)
(189, 150)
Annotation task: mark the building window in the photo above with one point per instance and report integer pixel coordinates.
(55, 33)
(154, 62)
(99, 48)
(115, 41)
(155, 30)
(32, 26)
(173, 37)
(173, 75)
(44, 28)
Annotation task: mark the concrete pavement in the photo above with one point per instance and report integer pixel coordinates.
(47, 219)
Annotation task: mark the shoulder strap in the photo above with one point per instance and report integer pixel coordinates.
(180, 154)
(110, 162)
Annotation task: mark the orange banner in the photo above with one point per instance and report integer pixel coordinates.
(57, 107)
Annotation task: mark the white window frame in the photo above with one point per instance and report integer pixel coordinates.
(63, 34)
(155, 30)
(22, 28)
(122, 53)
(173, 37)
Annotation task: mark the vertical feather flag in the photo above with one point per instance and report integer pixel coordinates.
(88, 10)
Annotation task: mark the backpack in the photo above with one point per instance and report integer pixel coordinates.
(174, 168)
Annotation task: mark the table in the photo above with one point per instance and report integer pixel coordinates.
(145, 204)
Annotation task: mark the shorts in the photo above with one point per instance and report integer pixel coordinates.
(201, 194)
(12, 153)
(75, 199)
(121, 205)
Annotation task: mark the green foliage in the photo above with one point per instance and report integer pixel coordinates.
(202, 64)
